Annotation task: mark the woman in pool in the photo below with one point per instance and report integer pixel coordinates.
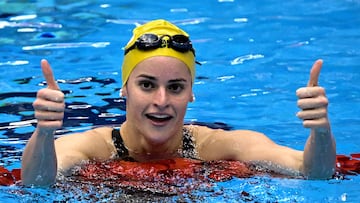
(158, 73)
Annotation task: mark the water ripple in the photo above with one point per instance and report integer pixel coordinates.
(4, 24)
(241, 59)
(14, 63)
(67, 45)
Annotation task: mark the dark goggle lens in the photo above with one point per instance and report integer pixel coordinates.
(148, 41)
(180, 43)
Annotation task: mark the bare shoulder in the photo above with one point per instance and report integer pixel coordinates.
(204, 133)
(92, 144)
(215, 144)
(103, 132)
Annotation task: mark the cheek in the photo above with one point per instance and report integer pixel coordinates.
(181, 106)
(183, 101)
(135, 101)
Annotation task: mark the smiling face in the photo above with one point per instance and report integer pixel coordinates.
(158, 91)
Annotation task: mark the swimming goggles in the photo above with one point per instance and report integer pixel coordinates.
(150, 41)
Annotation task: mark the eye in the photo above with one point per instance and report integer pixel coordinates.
(146, 85)
(176, 87)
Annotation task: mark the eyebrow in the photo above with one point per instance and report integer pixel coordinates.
(154, 78)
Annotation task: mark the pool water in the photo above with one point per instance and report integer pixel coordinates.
(254, 56)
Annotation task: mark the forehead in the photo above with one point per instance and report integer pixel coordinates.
(162, 66)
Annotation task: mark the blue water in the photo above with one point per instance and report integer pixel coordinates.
(255, 55)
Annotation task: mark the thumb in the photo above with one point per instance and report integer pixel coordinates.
(48, 74)
(314, 73)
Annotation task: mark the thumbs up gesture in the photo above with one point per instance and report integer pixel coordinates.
(313, 102)
(49, 104)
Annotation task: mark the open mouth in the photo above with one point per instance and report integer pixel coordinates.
(159, 117)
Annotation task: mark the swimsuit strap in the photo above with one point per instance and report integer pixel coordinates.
(119, 143)
(188, 148)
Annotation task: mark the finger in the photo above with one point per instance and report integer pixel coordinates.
(49, 124)
(48, 106)
(312, 103)
(312, 114)
(48, 74)
(314, 73)
(49, 116)
(50, 95)
(316, 123)
(308, 92)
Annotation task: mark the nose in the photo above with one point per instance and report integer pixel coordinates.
(161, 99)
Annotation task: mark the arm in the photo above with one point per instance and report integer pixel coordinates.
(318, 158)
(39, 165)
(320, 149)
(43, 157)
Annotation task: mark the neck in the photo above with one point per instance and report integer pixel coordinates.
(149, 156)
(142, 149)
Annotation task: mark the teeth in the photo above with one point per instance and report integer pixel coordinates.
(159, 116)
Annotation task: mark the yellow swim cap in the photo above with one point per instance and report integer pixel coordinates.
(158, 27)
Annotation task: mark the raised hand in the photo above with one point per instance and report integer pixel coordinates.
(49, 104)
(313, 101)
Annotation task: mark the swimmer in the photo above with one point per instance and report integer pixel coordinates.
(158, 73)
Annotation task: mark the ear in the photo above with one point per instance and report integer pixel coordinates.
(123, 92)
(192, 98)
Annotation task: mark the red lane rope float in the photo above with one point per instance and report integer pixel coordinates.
(168, 177)
(165, 170)
(348, 165)
(172, 172)
(9, 177)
